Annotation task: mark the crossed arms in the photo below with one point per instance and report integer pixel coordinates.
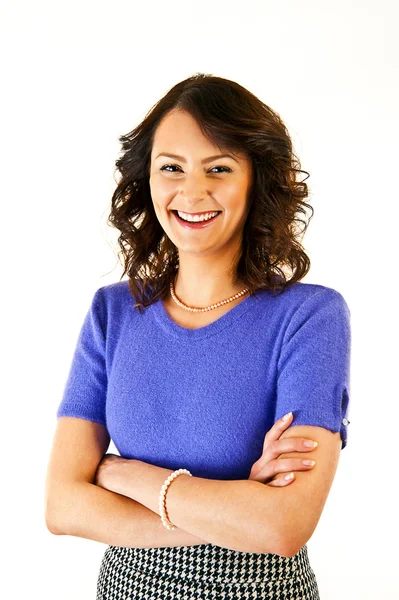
(242, 515)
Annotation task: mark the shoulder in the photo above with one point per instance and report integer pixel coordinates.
(302, 300)
(111, 304)
(114, 296)
(306, 307)
(113, 291)
(314, 293)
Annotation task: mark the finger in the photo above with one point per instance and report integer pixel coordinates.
(282, 465)
(278, 447)
(287, 465)
(291, 444)
(282, 481)
(278, 428)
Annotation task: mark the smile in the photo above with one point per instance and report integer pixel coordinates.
(195, 224)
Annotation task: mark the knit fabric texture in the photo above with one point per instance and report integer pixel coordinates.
(203, 399)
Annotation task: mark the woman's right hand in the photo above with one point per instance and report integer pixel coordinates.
(268, 468)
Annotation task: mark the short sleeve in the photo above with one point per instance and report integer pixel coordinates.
(86, 386)
(313, 379)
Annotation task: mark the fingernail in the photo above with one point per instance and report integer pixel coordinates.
(287, 416)
(310, 444)
(309, 463)
(289, 476)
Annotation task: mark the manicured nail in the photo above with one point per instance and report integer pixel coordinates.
(309, 463)
(289, 476)
(310, 444)
(287, 416)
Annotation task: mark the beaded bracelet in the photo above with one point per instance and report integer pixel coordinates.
(162, 497)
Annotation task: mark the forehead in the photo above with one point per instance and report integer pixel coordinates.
(178, 131)
(178, 126)
(176, 118)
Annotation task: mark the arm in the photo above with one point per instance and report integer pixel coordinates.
(243, 515)
(305, 498)
(75, 506)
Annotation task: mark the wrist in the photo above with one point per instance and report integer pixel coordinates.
(148, 483)
(125, 476)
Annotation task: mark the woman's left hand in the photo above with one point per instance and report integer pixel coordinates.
(108, 472)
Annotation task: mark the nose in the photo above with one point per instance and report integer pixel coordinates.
(194, 188)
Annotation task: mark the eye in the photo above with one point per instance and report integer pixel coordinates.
(225, 169)
(166, 167)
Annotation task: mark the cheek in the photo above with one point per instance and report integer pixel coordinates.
(235, 197)
(161, 190)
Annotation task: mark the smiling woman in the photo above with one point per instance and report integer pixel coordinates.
(190, 365)
(210, 145)
(206, 181)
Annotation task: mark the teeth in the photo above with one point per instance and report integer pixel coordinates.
(194, 218)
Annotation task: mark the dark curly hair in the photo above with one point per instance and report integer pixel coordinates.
(234, 119)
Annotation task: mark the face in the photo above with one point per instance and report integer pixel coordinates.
(197, 183)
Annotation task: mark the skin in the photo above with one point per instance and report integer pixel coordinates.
(205, 255)
(244, 515)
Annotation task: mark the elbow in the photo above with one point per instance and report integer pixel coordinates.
(61, 511)
(289, 550)
(51, 522)
(291, 542)
(52, 516)
(51, 527)
(275, 543)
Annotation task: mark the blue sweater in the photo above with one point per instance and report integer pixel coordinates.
(203, 399)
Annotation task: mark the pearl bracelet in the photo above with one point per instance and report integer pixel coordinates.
(162, 497)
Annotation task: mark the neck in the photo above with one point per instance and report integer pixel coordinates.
(202, 287)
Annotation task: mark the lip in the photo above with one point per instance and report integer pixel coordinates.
(197, 224)
(204, 212)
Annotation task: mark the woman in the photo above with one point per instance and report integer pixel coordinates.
(209, 497)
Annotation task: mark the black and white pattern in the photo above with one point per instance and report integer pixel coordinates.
(204, 572)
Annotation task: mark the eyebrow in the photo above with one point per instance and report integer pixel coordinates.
(205, 160)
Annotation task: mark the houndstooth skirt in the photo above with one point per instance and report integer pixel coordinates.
(204, 572)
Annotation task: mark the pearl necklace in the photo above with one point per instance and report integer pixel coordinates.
(190, 308)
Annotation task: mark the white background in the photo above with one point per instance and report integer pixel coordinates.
(75, 75)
